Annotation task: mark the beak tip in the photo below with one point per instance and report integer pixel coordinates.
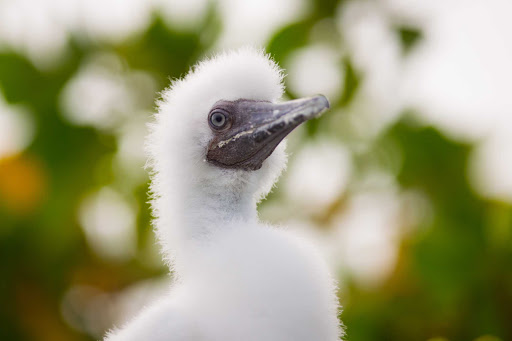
(325, 102)
(322, 103)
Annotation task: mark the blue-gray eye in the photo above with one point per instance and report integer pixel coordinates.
(218, 119)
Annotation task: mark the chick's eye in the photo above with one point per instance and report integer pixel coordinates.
(218, 119)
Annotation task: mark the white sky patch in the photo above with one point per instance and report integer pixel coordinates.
(130, 157)
(254, 21)
(40, 29)
(415, 11)
(182, 15)
(363, 240)
(102, 95)
(318, 174)
(459, 80)
(490, 169)
(376, 53)
(113, 20)
(315, 70)
(16, 129)
(108, 222)
(367, 235)
(29, 27)
(459, 77)
(97, 95)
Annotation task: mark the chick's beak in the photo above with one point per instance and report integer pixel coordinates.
(257, 129)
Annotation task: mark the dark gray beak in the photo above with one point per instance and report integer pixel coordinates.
(247, 132)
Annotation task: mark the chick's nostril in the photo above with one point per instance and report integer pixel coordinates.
(276, 127)
(259, 136)
(298, 118)
(280, 125)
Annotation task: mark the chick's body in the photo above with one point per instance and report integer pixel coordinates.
(236, 279)
(255, 283)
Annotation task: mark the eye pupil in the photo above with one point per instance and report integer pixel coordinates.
(218, 119)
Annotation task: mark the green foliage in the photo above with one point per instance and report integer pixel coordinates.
(409, 36)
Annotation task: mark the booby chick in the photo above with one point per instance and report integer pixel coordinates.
(215, 151)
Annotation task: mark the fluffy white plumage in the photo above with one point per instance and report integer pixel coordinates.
(236, 278)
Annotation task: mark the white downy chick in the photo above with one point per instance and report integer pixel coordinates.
(215, 151)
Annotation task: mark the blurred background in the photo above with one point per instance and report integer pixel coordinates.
(405, 185)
